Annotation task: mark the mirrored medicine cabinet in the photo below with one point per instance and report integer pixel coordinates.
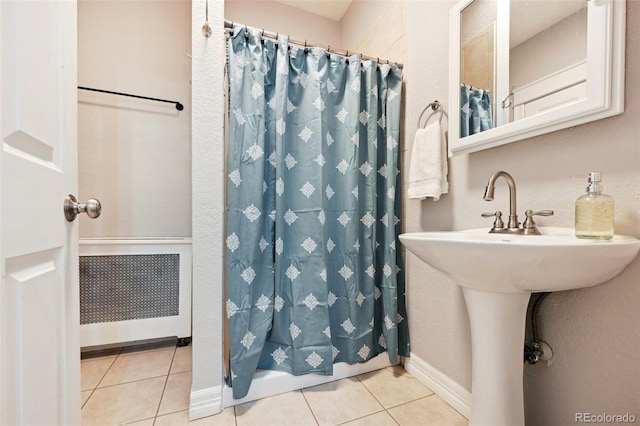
(522, 68)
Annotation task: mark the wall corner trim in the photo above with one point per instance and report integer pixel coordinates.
(442, 385)
(205, 402)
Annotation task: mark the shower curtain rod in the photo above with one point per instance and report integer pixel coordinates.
(178, 105)
(228, 25)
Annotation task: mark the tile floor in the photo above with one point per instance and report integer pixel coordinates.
(150, 385)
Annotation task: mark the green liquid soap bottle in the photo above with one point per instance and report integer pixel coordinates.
(594, 211)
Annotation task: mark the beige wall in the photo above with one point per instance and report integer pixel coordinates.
(354, 32)
(438, 320)
(594, 333)
(135, 155)
(376, 28)
(209, 181)
(277, 17)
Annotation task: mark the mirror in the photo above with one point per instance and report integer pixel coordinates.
(522, 68)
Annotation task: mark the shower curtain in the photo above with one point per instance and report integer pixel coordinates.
(313, 210)
(475, 111)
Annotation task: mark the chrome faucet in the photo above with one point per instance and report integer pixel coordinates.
(488, 196)
(513, 226)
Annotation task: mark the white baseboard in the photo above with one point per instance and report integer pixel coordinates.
(442, 385)
(205, 402)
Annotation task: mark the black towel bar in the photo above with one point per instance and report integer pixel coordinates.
(178, 105)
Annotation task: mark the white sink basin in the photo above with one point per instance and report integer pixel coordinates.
(498, 273)
(554, 261)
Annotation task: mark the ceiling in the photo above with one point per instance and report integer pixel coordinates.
(332, 9)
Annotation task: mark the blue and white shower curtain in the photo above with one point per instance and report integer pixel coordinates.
(313, 210)
(475, 111)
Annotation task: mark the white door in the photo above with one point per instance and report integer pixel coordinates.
(39, 304)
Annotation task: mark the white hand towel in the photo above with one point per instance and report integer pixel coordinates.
(428, 167)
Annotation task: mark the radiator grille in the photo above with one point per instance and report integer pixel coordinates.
(127, 287)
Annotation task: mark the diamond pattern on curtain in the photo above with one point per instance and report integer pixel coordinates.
(313, 210)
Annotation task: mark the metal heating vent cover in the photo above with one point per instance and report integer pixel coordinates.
(127, 287)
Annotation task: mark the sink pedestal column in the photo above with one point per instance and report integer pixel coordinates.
(498, 322)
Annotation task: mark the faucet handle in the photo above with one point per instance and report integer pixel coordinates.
(498, 223)
(529, 223)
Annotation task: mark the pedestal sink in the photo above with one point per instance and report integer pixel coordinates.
(498, 273)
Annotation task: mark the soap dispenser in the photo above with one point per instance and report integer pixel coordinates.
(594, 211)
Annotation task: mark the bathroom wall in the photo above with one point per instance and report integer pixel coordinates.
(376, 29)
(278, 17)
(438, 320)
(595, 332)
(135, 155)
(358, 31)
(208, 179)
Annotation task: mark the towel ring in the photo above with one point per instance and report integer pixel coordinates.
(435, 106)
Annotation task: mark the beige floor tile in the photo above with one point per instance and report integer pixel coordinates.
(280, 410)
(399, 370)
(379, 419)
(393, 388)
(341, 401)
(124, 403)
(84, 395)
(429, 411)
(181, 360)
(176, 393)
(93, 370)
(134, 385)
(181, 418)
(145, 422)
(138, 366)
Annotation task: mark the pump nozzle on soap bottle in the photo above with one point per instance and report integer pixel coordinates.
(594, 211)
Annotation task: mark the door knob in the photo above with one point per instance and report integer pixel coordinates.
(92, 208)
